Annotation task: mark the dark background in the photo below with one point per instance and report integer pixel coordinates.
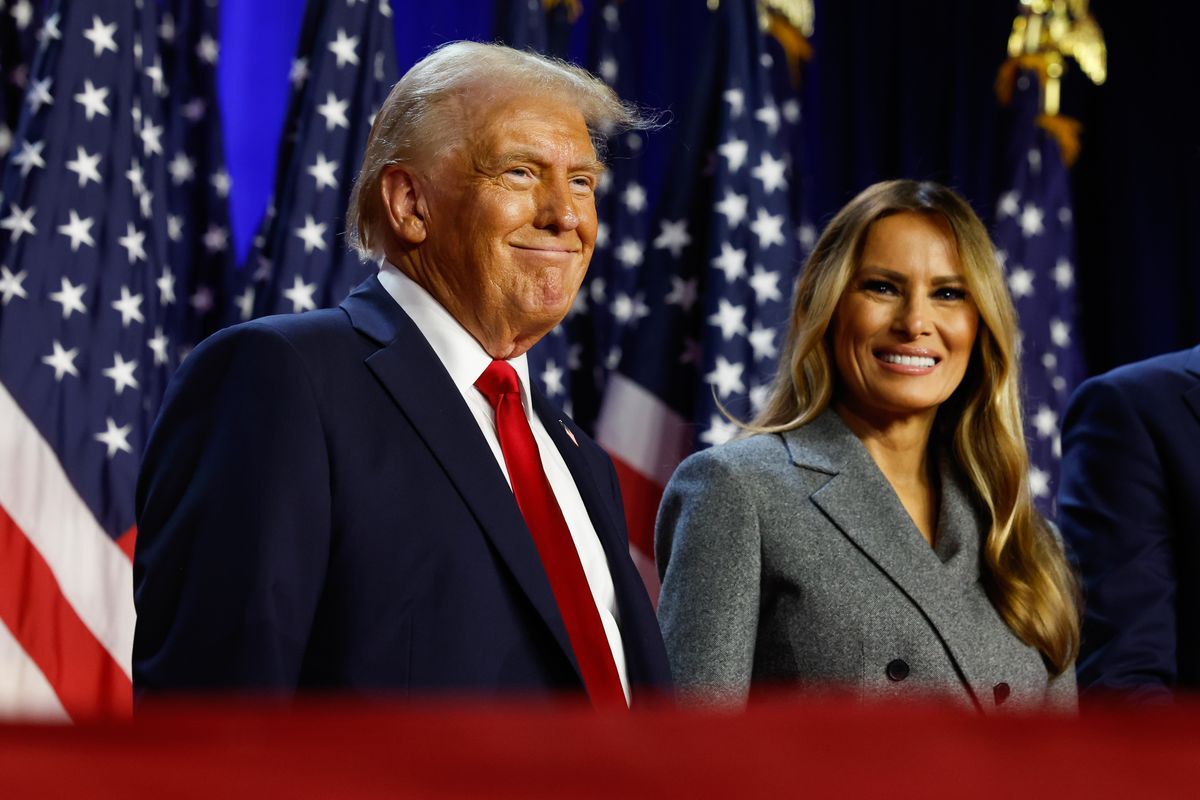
(897, 88)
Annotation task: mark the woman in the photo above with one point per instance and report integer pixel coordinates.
(877, 532)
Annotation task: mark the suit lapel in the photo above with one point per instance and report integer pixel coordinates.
(411, 373)
(865, 509)
(1192, 395)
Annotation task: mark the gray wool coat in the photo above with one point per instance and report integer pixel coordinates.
(789, 560)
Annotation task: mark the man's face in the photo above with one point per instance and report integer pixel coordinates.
(510, 220)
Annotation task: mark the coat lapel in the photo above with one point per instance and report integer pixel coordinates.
(865, 509)
(413, 375)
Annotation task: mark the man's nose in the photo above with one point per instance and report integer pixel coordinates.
(558, 207)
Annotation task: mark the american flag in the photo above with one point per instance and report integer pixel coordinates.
(719, 266)
(1035, 241)
(20, 21)
(534, 25)
(200, 254)
(344, 68)
(83, 360)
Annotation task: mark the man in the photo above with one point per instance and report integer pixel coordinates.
(1129, 508)
(373, 497)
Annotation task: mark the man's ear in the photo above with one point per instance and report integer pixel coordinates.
(403, 204)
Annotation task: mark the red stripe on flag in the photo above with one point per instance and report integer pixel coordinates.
(88, 682)
(641, 497)
(127, 540)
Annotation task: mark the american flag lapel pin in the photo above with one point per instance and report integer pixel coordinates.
(574, 441)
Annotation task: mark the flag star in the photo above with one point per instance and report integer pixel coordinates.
(598, 289)
(731, 261)
(155, 73)
(216, 239)
(683, 292)
(299, 71)
(78, 231)
(765, 285)
(62, 361)
(1065, 216)
(29, 156)
(604, 183)
(608, 69)
(626, 308)
(771, 172)
(612, 360)
(174, 227)
(806, 235)
(762, 341)
(719, 431)
(736, 100)
(601, 235)
(769, 115)
(1050, 362)
(70, 297)
(324, 172)
(194, 109)
(158, 345)
(385, 8)
(1064, 274)
(301, 295)
(1060, 332)
(22, 14)
(5, 139)
(134, 243)
(673, 235)
(182, 169)
(1031, 220)
(137, 41)
(735, 152)
(121, 373)
(10, 285)
(733, 207)
(39, 95)
(1002, 259)
(87, 167)
(19, 221)
(136, 177)
(166, 287)
(334, 112)
(151, 136)
(201, 300)
(1035, 161)
(552, 379)
(634, 197)
(166, 29)
(768, 228)
(146, 202)
(221, 182)
(1056, 446)
(344, 48)
(726, 377)
(244, 303)
(1039, 482)
(1045, 421)
(1009, 205)
(1020, 282)
(101, 36)
(313, 234)
(208, 50)
(116, 439)
(730, 318)
(630, 253)
(129, 307)
(791, 111)
(612, 17)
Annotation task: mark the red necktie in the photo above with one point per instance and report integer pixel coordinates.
(552, 537)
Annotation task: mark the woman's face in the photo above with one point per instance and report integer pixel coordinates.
(904, 329)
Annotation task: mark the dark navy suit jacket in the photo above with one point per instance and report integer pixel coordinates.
(1129, 508)
(318, 510)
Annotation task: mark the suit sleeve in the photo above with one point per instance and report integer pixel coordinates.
(234, 521)
(709, 558)
(1114, 516)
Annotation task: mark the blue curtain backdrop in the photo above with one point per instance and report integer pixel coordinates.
(897, 88)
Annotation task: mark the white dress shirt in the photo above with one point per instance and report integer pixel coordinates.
(465, 360)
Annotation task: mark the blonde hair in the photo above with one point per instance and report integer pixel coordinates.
(416, 122)
(1026, 571)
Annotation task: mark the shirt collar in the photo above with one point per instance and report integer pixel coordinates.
(462, 356)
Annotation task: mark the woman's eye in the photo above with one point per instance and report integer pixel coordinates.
(950, 293)
(879, 287)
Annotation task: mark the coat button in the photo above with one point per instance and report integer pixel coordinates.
(1001, 691)
(897, 669)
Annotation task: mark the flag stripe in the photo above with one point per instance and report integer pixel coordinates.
(91, 571)
(87, 680)
(641, 430)
(24, 693)
(641, 497)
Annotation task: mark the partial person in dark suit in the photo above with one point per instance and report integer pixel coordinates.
(875, 534)
(374, 497)
(1129, 508)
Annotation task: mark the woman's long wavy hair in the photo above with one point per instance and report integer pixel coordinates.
(1026, 571)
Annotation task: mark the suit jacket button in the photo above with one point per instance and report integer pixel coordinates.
(897, 669)
(1001, 691)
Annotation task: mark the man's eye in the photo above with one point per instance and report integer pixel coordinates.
(520, 172)
(582, 183)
